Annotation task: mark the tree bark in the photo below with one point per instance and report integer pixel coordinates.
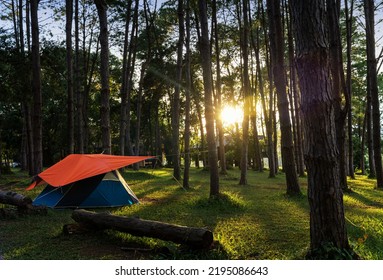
(36, 91)
(80, 96)
(15, 199)
(266, 113)
(338, 84)
(131, 65)
(327, 221)
(295, 96)
(26, 140)
(144, 68)
(102, 9)
(257, 163)
(277, 53)
(176, 96)
(221, 136)
(23, 203)
(187, 98)
(191, 236)
(246, 95)
(349, 20)
(363, 145)
(372, 81)
(209, 109)
(69, 63)
(124, 81)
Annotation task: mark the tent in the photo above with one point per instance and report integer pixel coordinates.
(86, 181)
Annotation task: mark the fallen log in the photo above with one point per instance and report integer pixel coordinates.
(194, 237)
(15, 199)
(23, 203)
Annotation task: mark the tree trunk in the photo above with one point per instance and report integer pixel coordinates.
(296, 101)
(246, 95)
(349, 20)
(327, 221)
(132, 63)
(124, 81)
(69, 63)
(370, 148)
(15, 25)
(144, 67)
(25, 104)
(373, 89)
(28, 105)
(337, 74)
(363, 145)
(29, 138)
(176, 97)
(257, 150)
(267, 118)
(221, 136)
(187, 98)
(209, 109)
(277, 53)
(36, 91)
(202, 148)
(1, 151)
(102, 9)
(191, 236)
(80, 142)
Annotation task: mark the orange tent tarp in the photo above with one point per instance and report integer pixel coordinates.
(80, 166)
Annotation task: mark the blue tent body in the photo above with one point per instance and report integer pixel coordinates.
(103, 190)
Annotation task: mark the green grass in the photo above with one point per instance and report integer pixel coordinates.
(257, 221)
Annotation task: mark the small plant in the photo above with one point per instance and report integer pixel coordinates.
(328, 251)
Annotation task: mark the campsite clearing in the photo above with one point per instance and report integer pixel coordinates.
(256, 221)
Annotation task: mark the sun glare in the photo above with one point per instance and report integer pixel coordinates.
(231, 115)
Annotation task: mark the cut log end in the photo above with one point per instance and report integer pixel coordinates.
(15, 199)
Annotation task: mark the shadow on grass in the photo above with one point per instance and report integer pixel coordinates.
(140, 175)
(226, 202)
(366, 201)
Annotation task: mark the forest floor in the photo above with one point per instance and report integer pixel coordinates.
(257, 221)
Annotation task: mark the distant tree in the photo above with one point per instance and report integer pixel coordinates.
(149, 26)
(349, 23)
(36, 91)
(268, 120)
(277, 61)
(187, 96)
(295, 97)
(327, 221)
(131, 65)
(69, 62)
(102, 9)
(80, 95)
(177, 90)
(246, 94)
(218, 87)
(125, 96)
